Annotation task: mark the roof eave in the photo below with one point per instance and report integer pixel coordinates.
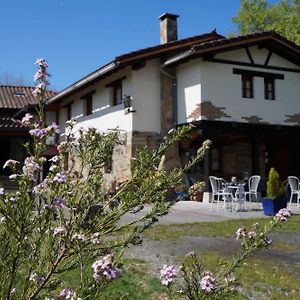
(202, 50)
(82, 82)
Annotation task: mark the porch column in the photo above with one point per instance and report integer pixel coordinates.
(255, 156)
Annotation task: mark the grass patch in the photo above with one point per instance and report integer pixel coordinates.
(280, 246)
(260, 278)
(214, 229)
(136, 283)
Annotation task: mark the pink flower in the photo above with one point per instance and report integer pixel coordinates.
(241, 233)
(9, 163)
(104, 269)
(54, 159)
(67, 293)
(60, 178)
(41, 74)
(207, 282)
(39, 89)
(41, 188)
(38, 132)
(1, 191)
(41, 62)
(283, 214)
(53, 127)
(79, 237)
(36, 278)
(252, 234)
(167, 274)
(30, 167)
(26, 120)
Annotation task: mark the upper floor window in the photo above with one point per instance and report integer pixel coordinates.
(116, 91)
(247, 82)
(68, 110)
(269, 88)
(247, 86)
(88, 103)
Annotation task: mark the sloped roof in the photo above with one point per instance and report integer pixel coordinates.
(7, 123)
(17, 97)
(205, 45)
(270, 40)
(161, 50)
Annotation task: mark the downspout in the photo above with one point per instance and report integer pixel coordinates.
(174, 95)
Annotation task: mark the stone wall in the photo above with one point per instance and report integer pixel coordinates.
(123, 153)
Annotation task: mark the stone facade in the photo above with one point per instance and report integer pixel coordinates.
(124, 151)
(293, 119)
(167, 101)
(254, 120)
(209, 111)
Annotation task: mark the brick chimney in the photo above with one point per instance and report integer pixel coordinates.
(168, 28)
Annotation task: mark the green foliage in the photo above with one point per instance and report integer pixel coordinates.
(259, 15)
(275, 187)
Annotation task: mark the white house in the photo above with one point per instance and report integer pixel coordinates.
(243, 93)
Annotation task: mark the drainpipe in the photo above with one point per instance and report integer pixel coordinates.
(174, 94)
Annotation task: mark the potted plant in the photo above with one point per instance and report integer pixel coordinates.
(275, 199)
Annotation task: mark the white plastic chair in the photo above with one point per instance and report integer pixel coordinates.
(253, 183)
(219, 191)
(295, 188)
(239, 197)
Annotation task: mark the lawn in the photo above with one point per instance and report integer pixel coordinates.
(260, 277)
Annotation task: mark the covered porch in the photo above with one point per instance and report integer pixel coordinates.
(244, 149)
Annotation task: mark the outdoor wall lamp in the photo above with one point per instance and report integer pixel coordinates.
(127, 103)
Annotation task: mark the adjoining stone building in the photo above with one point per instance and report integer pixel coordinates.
(241, 92)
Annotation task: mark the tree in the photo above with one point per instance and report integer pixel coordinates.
(8, 78)
(259, 15)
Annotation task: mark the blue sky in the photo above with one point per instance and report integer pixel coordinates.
(79, 36)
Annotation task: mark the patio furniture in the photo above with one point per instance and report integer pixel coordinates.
(220, 191)
(238, 196)
(295, 188)
(253, 183)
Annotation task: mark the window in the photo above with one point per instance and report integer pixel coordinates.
(247, 82)
(88, 103)
(247, 86)
(117, 93)
(69, 111)
(269, 88)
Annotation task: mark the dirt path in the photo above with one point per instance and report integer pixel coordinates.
(158, 253)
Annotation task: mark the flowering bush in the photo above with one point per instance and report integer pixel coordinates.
(194, 282)
(66, 221)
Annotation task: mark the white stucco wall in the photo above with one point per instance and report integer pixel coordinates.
(142, 84)
(188, 89)
(105, 116)
(200, 81)
(146, 97)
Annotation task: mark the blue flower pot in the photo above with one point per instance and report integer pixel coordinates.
(272, 206)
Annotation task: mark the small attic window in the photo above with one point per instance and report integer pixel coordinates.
(20, 94)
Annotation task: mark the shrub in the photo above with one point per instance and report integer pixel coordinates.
(275, 187)
(66, 222)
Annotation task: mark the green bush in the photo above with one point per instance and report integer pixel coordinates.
(275, 187)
